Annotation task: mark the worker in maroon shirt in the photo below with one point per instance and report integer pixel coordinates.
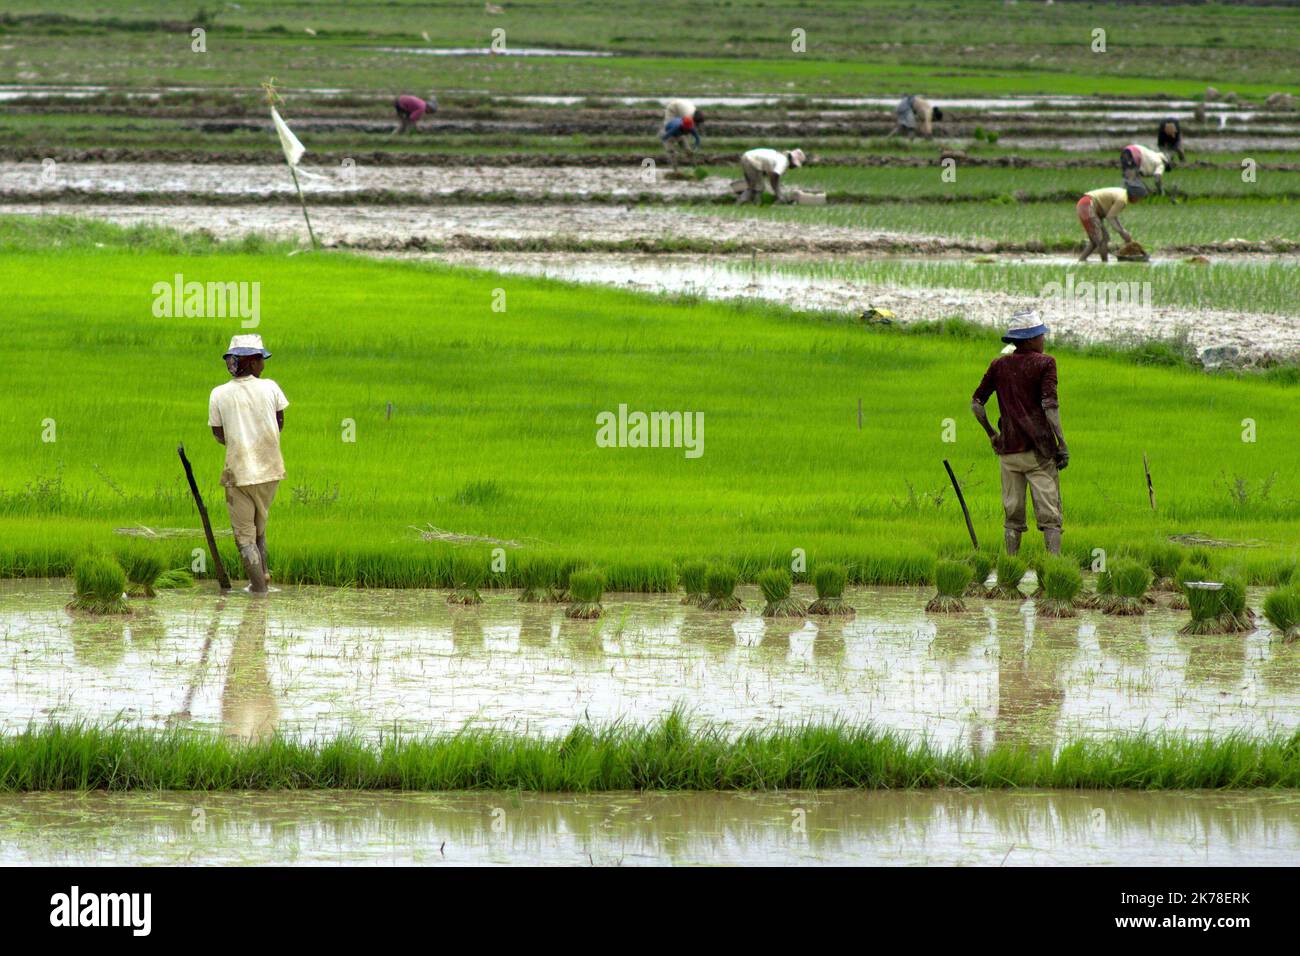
(1030, 444)
(410, 109)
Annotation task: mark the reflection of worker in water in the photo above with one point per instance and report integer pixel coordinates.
(1030, 695)
(248, 708)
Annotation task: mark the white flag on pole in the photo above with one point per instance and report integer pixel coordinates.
(293, 149)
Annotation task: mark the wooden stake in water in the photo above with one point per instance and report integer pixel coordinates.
(303, 203)
(222, 578)
(961, 500)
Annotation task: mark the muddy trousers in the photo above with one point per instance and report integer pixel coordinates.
(249, 507)
(753, 182)
(1027, 471)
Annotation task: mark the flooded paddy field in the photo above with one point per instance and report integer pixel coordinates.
(312, 663)
(980, 828)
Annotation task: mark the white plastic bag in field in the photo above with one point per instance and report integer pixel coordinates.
(293, 149)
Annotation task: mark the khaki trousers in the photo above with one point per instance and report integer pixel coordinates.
(249, 506)
(1027, 470)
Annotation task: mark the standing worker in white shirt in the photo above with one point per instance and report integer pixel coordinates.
(769, 164)
(246, 415)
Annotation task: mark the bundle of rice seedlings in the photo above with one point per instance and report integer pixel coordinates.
(1100, 596)
(175, 578)
(1217, 608)
(1282, 608)
(720, 587)
(99, 582)
(1061, 581)
(829, 580)
(532, 578)
(1011, 570)
(1130, 581)
(1189, 570)
(1164, 562)
(775, 583)
(467, 576)
(981, 566)
(142, 572)
(693, 573)
(585, 590)
(950, 580)
(558, 593)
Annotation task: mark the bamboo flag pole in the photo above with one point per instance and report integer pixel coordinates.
(293, 151)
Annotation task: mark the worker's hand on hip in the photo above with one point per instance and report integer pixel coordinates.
(1062, 459)
(996, 441)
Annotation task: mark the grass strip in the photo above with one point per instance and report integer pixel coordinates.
(671, 754)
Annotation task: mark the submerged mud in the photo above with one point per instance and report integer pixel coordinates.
(629, 829)
(315, 662)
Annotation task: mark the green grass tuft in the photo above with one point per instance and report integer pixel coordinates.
(585, 591)
(950, 580)
(776, 584)
(829, 580)
(693, 573)
(143, 568)
(1061, 582)
(1282, 608)
(720, 582)
(99, 583)
(1011, 571)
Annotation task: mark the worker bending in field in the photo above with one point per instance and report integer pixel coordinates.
(1169, 139)
(1102, 206)
(410, 109)
(247, 415)
(681, 119)
(1136, 161)
(1029, 442)
(766, 164)
(915, 114)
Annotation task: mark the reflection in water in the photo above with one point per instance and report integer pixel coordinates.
(248, 710)
(913, 827)
(316, 662)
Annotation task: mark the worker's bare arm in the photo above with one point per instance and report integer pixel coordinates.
(279, 419)
(1122, 231)
(219, 433)
(1053, 413)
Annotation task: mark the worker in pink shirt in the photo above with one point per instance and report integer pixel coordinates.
(410, 109)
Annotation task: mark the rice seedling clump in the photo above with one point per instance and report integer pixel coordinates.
(467, 576)
(1282, 608)
(775, 583)
(1011, 571)
(585, 591)
(1218, 609)
(829, 580)
(950, 581)
(175, 578)
(142, 572)
(693, 573)
(1165, 561)
(981, 566)
(1060, 581)
(720, 587)
(1189, 570)
(99, 582)
(532, 579)
(1130, 581)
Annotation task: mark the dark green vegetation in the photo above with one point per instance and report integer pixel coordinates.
(1282, 608)
(585, 590)
(1129, 581)
(720, 589)
(693, 576)
(1218, 609)
(669, 755)
(829, 581)
(1060, 582)
(1011, 571)
(143, 568)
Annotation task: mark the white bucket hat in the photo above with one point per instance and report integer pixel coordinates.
(796, 157)
(1025, 324)
(246, 345)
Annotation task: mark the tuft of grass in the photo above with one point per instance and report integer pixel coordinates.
(1011, 571)
(670, 754)
(1191, 569)
(720, 584)
(99, 583)
(950, 580)
(1129, 580)
(981, 563)
(143, 568)
(468, 574)
(776, 583)
(534, 577)
(829, 580)
(585, 591)
(1282, 608)
(693, 573)
(1061, 582)
(175, 578)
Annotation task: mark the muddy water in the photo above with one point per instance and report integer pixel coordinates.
(629, 829)
(314, 662)
(732, 277)
(411, 181)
